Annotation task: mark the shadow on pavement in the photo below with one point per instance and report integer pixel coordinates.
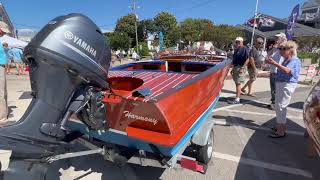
(297, 105)
(95, 167)
(10, 110)
(223, 101)
(261, 151)
(26, 95)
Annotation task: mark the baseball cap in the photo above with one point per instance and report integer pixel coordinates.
(239, 39)
(282, 35)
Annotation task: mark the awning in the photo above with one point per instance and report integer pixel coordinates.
(13, 42)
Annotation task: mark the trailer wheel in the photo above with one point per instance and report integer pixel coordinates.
(205, 152)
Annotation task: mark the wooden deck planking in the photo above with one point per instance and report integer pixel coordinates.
(157, 82)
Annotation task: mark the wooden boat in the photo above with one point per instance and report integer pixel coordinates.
(160, 102)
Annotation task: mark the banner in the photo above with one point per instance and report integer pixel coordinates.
(161, 42)
(292, 19)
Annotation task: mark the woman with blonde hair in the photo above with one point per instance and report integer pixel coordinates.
(286, 83)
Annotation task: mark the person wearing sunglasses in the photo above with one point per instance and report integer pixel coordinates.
(255, 57)
(239, 63)
(274, 53)
(288, 71)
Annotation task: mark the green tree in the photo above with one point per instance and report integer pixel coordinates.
(143, 49)
(126, 24)
(119, 40)
(145, 28)
(192, 29)
(172, 37)
(221, 35)
(307, 43)
(165, 22)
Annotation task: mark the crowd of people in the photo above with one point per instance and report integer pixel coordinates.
(121, 54)
(14, 59)
(284, 73)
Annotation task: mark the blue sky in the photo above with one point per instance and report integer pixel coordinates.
(36, 13)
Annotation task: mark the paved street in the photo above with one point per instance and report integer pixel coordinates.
(242, 149)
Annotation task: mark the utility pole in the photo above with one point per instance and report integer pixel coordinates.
(134, 9)
(255, 22)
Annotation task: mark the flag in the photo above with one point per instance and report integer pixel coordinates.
(292, 19)
(267, 22)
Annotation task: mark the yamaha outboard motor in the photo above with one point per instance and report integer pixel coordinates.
(69, 61)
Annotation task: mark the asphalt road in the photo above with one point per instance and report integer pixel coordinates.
(242, 149)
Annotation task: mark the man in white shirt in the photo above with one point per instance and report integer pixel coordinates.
(134, 56)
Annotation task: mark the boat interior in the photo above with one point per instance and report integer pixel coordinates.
(148, 80)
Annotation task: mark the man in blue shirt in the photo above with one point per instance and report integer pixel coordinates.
(16, 55)
(239, 63)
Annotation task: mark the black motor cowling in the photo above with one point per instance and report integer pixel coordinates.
(74, 43)
(69, 54)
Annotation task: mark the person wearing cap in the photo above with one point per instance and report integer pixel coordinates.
(255, 57)
(288, 71)
(274, 53)
(239, 63)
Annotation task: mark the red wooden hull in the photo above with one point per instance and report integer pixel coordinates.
(176, 102)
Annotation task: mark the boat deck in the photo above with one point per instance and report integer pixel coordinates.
(157, 82)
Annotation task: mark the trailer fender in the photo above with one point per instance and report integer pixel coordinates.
(202, 135)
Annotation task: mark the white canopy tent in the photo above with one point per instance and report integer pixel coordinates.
(13, 42)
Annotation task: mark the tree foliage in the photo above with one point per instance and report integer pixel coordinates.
(221, 35)
(126, 24)
(165, 22)
(307, 43)
(145, 28)
(172, 37)
(143, 49)
(189, 31)
(192, 29)
(119, 40)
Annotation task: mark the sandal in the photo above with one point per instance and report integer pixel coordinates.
(275, 135)
(274, 129)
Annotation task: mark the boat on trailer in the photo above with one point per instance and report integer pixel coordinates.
(148, 112)
(158, 105)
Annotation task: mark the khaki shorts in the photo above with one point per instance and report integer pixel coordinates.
(238, 77)
(253, 73)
